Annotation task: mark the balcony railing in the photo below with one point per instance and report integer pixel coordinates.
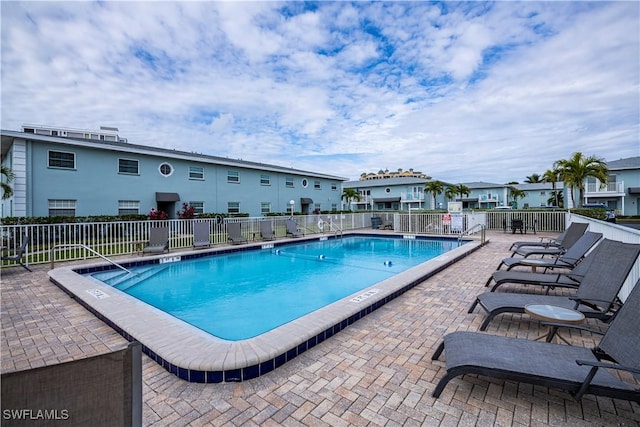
(611, 188)
(484, 198)
(411, 197)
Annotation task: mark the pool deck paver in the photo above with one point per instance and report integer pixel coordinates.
(376, 372)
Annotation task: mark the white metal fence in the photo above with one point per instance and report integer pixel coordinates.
(439, 223)
(129, 237)
(109, 239)
(619, 233)
(64, 241)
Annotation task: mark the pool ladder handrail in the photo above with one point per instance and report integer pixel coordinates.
(52, 255)
(482, 227)
(334, 227)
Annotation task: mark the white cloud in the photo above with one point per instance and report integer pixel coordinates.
(461, 91)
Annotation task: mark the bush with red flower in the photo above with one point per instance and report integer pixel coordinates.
(155, 214)
(187, 212)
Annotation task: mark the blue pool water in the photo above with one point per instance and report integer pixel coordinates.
(240, 295)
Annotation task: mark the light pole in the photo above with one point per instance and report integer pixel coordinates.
(292, 203)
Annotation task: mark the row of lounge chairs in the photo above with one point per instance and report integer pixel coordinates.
(234, 230)
(159, 236)
(591, 275)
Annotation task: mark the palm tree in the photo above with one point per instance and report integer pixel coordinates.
(533, 179)
(516, 194)
(551, 175)
(459, 189)
(8, 176)
(434, 188)
(350, 194)
(556, 199)
(575, 170)
(450, 193)
(462, 190)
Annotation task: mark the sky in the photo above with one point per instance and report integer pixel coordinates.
(463, 92)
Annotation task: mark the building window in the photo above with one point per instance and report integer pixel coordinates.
(62, 207)
(165, 169)
(198, 207)
(265, 180)
(288, 182)
(316, 185)
(233, 177)
(305, 183)
(61, 159)
(334, 207)
(334, 186)
(128, 207)
(387, 190)
(233, 207)
(128, 166)
(265, 207)
(196, 172)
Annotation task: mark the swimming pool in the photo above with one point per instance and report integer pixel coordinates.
(244, 294)
(195, 355)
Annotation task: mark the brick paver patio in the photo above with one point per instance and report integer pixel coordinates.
(377, 372)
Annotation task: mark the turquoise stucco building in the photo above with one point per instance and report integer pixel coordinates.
(70, 172)
(66, 172)
(620, 194)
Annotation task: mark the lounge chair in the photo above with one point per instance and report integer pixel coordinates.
(17, 257)
(609, 265)
(566, 239)
(569, 259)
(292, 228)
(234, 233)
(266, 231)
(158, 241)
(201, 235)
(386, 225)
(578, 370)
(563, 279)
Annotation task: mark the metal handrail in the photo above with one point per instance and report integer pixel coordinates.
(80, 245)
(482, 227)
(333, 227)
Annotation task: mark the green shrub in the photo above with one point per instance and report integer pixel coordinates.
(595, 213)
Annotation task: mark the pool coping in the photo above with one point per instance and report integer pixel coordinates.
(197, 356)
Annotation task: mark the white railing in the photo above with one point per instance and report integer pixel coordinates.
(129, 237)
(406, 196)
(484, 198)
(620, 233)
(534, 221)
(611, 187)
(83, 240)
